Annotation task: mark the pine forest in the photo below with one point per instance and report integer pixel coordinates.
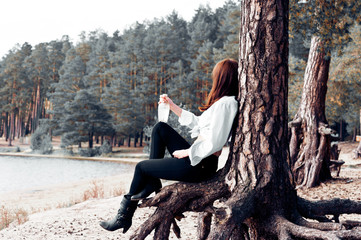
(107, 87)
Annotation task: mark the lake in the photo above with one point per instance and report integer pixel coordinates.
(21, 173)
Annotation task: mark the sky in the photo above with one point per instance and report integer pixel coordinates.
(36, 21)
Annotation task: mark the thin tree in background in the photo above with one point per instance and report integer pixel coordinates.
(328, 22)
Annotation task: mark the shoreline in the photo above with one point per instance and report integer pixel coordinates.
(65, 194)
(69, 193)
(127, 158)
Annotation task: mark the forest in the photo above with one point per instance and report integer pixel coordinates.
(108, 86)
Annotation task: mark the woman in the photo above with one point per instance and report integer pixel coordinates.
(189, 163)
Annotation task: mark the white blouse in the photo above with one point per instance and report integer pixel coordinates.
(212, 128)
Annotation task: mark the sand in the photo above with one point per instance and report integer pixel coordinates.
(81, 220)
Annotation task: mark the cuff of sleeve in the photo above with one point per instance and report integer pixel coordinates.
(197, 152)
(185, 117)
(193, 159)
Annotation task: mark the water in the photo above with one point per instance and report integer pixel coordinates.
(20, 173)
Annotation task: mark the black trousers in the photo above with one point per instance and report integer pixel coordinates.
(157, 167)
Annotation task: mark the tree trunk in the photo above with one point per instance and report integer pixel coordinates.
(136, 136)
(259, 177)
(91, 139)
(310, 134)
(341, 130)
(11, 127)
(255, 189)
(6, 126)
(141, 139)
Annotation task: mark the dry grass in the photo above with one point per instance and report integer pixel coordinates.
(117, 191)
(96, 191)
(21, 216)
(7, 216)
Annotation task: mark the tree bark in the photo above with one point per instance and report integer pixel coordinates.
(253, 196)
(259, 177)
(310, 134)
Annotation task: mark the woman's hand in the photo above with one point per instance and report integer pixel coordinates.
(165, 99)
(181, 153)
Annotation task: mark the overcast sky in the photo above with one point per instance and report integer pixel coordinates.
(36, 21)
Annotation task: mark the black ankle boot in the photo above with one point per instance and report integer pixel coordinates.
(149, 189)
(124, 217)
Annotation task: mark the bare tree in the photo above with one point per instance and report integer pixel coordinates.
(310, 134)
(253, 196)
(329, 23)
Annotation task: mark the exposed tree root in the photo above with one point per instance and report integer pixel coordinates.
(309, 145)
(318, 209)
(323, 226)
(204, 225)
(289, 230)
(230, 215)
(175, 199)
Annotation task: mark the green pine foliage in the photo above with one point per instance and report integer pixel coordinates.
(330, 20)
(295, 84)
(41, 140)
(343, 104)
(83, 119)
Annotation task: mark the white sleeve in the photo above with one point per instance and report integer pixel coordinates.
(190, 120)
(220, 126)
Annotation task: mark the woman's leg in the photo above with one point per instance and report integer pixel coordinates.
(172, 169)
(164, 136)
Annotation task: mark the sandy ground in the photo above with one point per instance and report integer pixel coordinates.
(80, 220)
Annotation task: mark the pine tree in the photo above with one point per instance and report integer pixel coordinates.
(83, 119)
(203, 32)
(56, 55)
(200, 79)
(39, 71)
(98, 76)
(227, 42)
(71, 81)
(14, 92)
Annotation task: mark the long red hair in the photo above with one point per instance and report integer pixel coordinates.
(225, 82)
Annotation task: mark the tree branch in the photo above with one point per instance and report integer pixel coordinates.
(296, 123)
(325, 130)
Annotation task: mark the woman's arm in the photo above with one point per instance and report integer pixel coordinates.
(220, 125)
(175, 108)
(181, 153)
